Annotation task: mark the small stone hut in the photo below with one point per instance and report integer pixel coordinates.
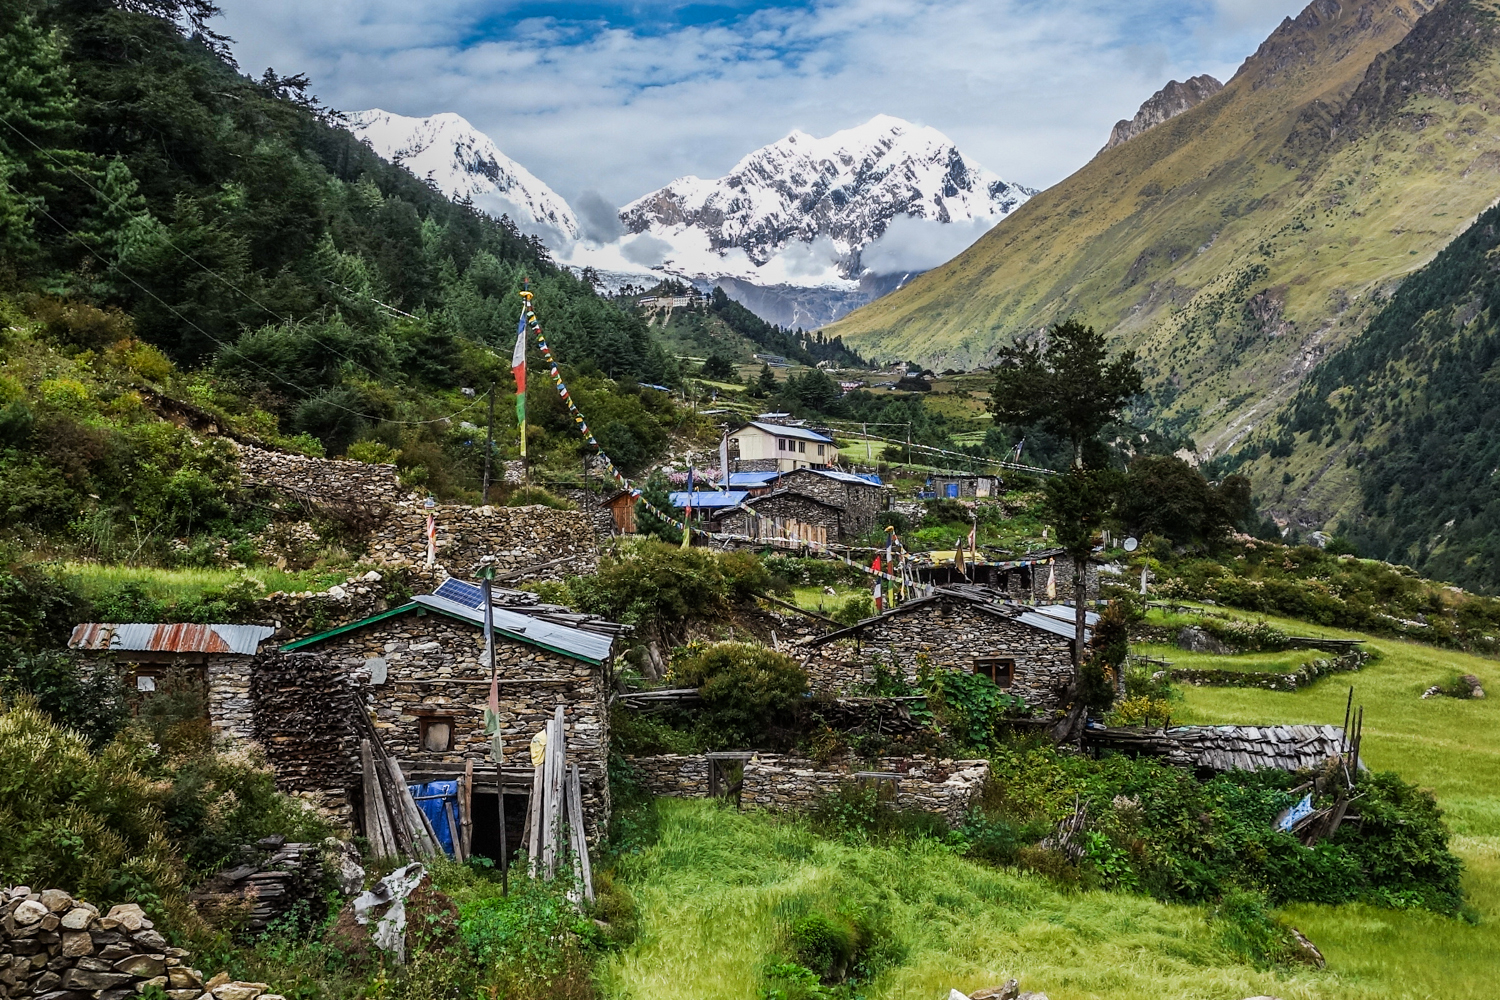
(421, 668)
(749, 518)
(1027, 653)
(213, 656)
(862, 500)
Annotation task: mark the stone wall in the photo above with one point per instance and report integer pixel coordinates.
(517, 536)
(412, 666)
(793, 784)
(673, 775)
(952, 633)
(322, 481)
(1272, 680)
(55, 947)
(863, 504)
(303, 716)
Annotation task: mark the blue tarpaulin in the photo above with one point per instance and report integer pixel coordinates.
(430, 798)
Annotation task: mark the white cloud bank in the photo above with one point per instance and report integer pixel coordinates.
(1029, 88)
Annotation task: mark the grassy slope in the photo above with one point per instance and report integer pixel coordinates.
(1164, 238)
(720, 890)
(1452, 747)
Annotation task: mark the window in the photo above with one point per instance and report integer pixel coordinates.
(781, 444)
(820, 449)
(1001, 670)
(436, 733)
(801, 445)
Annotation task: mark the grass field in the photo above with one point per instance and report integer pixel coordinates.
(173, 585)
(720, 890)
(1282, 662)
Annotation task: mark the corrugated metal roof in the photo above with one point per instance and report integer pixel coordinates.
(705, 498)
(591, 646)
(1049, 624)
(173, 638)
(1065, 613)
(751, 478)
(781, 430)
(842, 477)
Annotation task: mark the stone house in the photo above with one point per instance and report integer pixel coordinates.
(1023, 580)
(205, 655)
(764, 516)
(1027, 653)
(964, 487)
(421, 670)
(864, 501)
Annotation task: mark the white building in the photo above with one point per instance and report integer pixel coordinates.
(764, 447)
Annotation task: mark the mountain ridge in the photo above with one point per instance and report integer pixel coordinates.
(1164, 105)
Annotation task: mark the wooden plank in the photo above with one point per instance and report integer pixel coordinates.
(377, 824)
(556, 776)
(534, 821)
(454, 832)
(466, 808)
(423, 842)
(585, 871)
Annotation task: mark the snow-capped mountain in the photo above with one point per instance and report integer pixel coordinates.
(834, 196)
(464, 162)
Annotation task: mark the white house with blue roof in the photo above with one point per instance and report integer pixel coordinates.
(761, 446)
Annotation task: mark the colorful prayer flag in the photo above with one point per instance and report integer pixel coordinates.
(518, 369)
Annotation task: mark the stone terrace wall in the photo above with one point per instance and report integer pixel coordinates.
(517, 536)
(322, 480)
(1272, 680)
(786, 784)
(673, 775)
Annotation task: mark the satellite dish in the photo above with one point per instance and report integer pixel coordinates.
(1131, 545)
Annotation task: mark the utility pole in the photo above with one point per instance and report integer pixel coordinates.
(489, 444)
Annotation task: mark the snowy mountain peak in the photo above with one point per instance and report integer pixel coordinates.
(464, 163)
(835, 195)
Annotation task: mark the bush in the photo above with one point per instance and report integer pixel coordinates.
(854, 609)
(1249, 931)
(746, 689)
(535, 496)
(970, 709)
(87, 698)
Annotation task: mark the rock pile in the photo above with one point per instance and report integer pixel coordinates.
(1467, 686)
(272, 878)
(55, 947)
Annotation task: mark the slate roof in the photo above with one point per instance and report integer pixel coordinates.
(1041, 622)
(842, 477)
(175, 638)
(1230, 748)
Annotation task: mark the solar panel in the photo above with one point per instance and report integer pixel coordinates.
(459, 592)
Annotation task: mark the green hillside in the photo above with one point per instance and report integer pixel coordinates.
(1241, 242)
(188, 252)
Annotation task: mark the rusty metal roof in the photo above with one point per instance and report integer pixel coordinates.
(177, 638)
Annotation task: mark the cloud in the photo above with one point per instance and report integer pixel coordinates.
(808, 260)
(910, 244)
(628, 97)
(599, 220)
(646, 250)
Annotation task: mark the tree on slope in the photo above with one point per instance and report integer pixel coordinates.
(1071, 387)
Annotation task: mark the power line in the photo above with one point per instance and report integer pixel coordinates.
(208, 270)
(273, 374)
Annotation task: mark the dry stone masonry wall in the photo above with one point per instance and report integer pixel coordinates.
(1272, 680)
(792, 784)
(322, 480)
(517, 537)
(55, 947)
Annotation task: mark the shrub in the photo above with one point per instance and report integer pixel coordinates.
(1249, 931)
(535, 496)
(745, 689)
(854, 609)
(970, 708)
(87, 698)
(1141, 710)
(373, 452)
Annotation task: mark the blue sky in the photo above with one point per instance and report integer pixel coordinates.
(621, 98)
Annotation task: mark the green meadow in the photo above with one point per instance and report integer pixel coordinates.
(719, 891)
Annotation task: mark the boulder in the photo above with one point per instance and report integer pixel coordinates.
(77, 943)
(1306, 951)
(183, 978)
(77, 919)
(1196, 640)
(56, 900)
(1009, 991)
(218, 980)
(128, 916)
(88, 979)
(150, 939)
(158, 982)
(28, 913)
(239, 991)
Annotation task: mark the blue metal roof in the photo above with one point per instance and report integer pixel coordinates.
(751, 478)
(710, 499)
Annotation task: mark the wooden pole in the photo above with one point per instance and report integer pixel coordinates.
(534, 821)
(453, 833)
(466, 807)
(377, 825)
(504, 840)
